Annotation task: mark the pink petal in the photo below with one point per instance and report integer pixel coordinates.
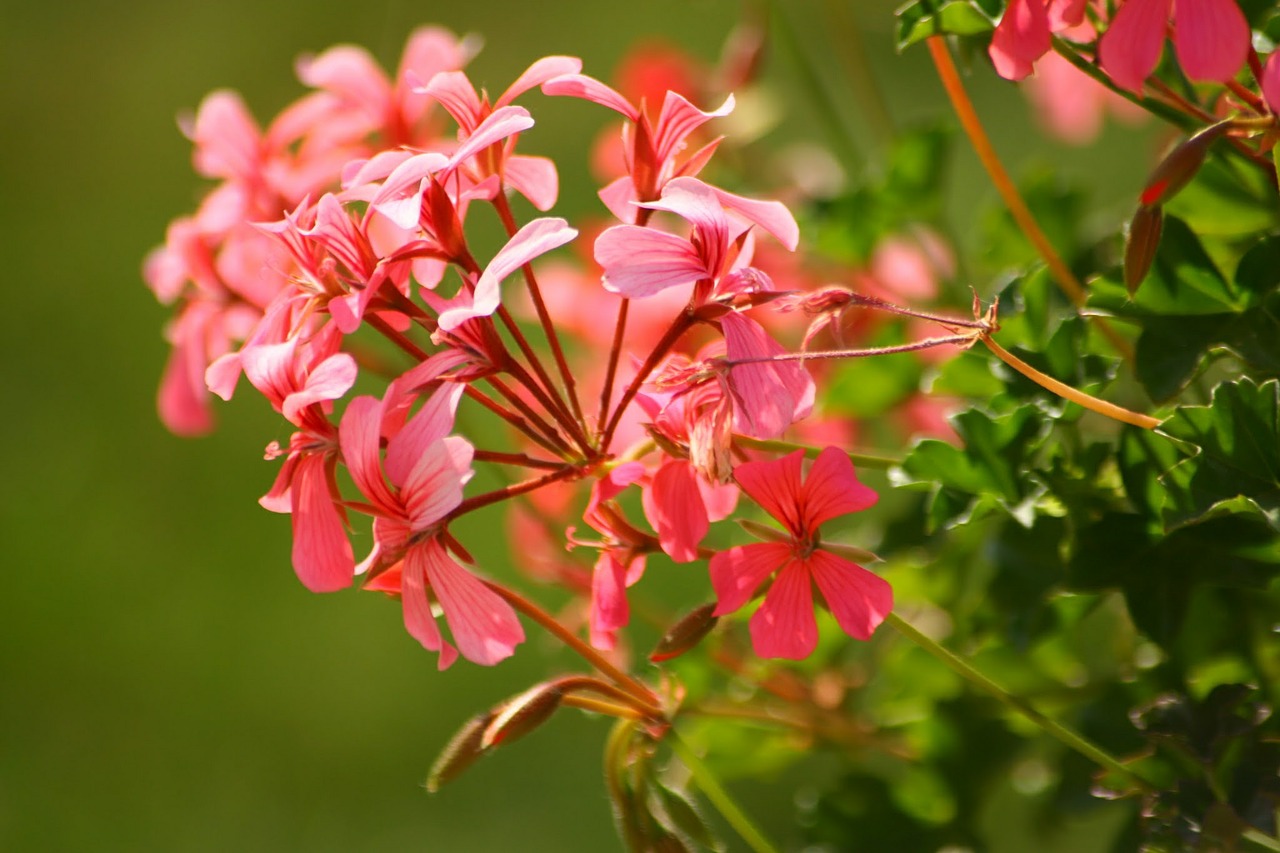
(775, 485)
(673, 505)
(619, 196)
(784, 626)
(640, 262)
(1211, 38)
(534, 178)
(772, 216)
(359, 435)
(1130, 48)
(1064, 14)
(329, 380)
(857, 598)
(737, 573)
(1021, 37)
(227, 139)
(496, 127)
(351, 74)
(483, 625)
(769, 395)
(182, 402)
(698, 203)
(678, 119)
(582, 86)
(431, 423)
(455, 93)
(537, 74)
(1271, 80)
(322, 555)
(536, 238)
(832, 489)
(720, 499)
(433, 486)
(418, 619)
(609, 609)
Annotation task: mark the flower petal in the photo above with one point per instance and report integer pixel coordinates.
(832, 489)
(784, 626)
(857, 598)
(1130, 48)
(674, 507)
(1211, 38)
(640, 262)
(418, 618)
(737, 573)
(322, 555)
(775, 485)
(1021, 37)
(483, 625)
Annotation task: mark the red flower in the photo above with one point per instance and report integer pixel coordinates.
(784, 626)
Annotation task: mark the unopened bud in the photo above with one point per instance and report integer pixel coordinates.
(850, 552)
(685, 634)
(763, 531)
(1180, 165)
(1141, 244)
(522, 714)
(461, 752)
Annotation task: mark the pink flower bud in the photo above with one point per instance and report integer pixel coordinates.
(1141, 244)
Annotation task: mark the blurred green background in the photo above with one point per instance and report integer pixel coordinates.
(166, 682)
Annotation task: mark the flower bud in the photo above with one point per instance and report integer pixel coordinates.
(460, 753)
(1180, 165)
(685, 634)
(1141, 244)
(522, 714)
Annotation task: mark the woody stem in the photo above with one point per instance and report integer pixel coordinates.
(986, 152)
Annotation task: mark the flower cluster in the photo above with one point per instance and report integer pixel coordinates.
(350, 218)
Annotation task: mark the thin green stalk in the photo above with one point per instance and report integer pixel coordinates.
(1056, 730)
(719, 797)
(866, 460)
(1261, 839)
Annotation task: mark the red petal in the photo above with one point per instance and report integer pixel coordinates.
(858, 599)
(784, 626)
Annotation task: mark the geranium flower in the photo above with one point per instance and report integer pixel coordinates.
(784, 626)
(1211, 38)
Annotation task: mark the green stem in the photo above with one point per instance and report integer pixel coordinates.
(1261, 839)
(1019, 705)
(866, 460)
(719, 797)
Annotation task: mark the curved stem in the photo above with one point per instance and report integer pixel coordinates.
(1018, 209)
(719, 797)
(1066, 392)
(647, 700)
(1019, 705)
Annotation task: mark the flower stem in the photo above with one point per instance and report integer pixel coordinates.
(719, 797)
(647, 700)
(866, 460)
(1075, 395)
(1019, 705)
(986, 152)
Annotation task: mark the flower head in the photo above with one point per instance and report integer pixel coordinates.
(784, 626)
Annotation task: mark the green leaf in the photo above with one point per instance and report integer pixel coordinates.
(923, 18)
(1183, 280)
(1177, 335)
(1226, 199)
(988, 472)
(1157, 573)
(1238, 462)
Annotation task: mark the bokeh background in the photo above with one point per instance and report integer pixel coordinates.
(165, 682)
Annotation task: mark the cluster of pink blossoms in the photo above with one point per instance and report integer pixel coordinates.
(346, 220)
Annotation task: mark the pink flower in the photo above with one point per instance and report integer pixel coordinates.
(1024, 33)
(425, 471)
(784, 626)
(641, 261)
(1211, 38)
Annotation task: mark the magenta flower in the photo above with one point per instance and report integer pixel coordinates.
(784, 626)
(1211, 38)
